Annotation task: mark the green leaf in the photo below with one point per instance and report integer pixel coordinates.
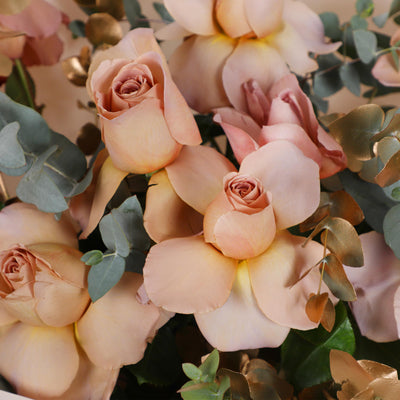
(327, 83)
(77, 27)
(391, 229)
(15, 88)
(200, 391)
(331, 25)
(366, 43)
(192, 372)
(134, 14)
(358, 22)
(395, 57)
(11, 152)
(305, 354)
(394, 7)
(349, 76)
(92, 257)
(210, 366)
(105, 275)
(396, 193)
(380, 20)
(163, 12)
(37, 187)
(365, 8)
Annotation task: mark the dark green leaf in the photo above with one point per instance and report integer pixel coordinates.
(15, 89)
(358, 22)
(365, 7)
(391, 229)
(135, 261)
(349, 76)
(395, 57)
(77, 28)
(370, 197)
(163, 12)
(92, 257)
(305, 354)
(331, 25)
(394, 7)
(366, 43)
(327, 83)
(105, 275)
(134, 14)
(11, 152)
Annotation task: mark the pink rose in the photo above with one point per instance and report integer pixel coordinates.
(55, 343)
(284, 112)
(229, 42)
(230, 275)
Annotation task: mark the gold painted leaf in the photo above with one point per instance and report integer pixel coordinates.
(239, 385)
(390, 172)
(112, 7)
(74, 71)
(13, 6)
(315, 306)
(103, 28)
(392, 129)
(328, 316)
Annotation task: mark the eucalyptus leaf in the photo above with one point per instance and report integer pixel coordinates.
(15, 88)
(358, 22)
(105, 275)
(380, 20)
(192, 372)
(349, 76)
(92, 257)
(394, 7)
(163, 12)
(134, 14)
(11, 152)
(327, 83)
(366, 44)
(331, 25)
(391, 229)
(305, 354)
(365, 7)
(210, 366)
(77, 27)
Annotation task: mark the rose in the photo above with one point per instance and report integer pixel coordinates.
(284, 112)
(55, 343)
(227, 43)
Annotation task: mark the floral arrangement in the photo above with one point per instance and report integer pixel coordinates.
(217, 230)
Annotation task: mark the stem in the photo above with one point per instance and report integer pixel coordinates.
(25, 85)
(323, 265)
(3, 189)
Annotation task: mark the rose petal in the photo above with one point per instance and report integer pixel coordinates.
(206, 56)
(385, 71)
(46, 51)
(39, 361)
(231, 16)
(237, 131)
(292, 178)
(251, 59)
(139, 140)
(264, 16)
(6, 318)
(24, 223)
(110, 331)
(197, 175)
(377, 287)
(40, 19)
(239, 323)
(309, 26)
(194, 15)
(12, 47)
(172, 31)
(187, 275)
(166, 216)
(274, 273)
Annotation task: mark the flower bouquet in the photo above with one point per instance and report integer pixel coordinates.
(194, 216)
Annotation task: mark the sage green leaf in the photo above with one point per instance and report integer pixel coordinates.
(37, 187)
(391, 229)
(331, 25)
(327, 83)
(92, 257)
(365, 8)
(77, 27)
(394, 7)
(163, 12)
(349, 75)
(105, 275)
(210, 366)
(81, 186)
(200, 391)
(358, 22)
(380, 20)
(134, 14)
(305, 354)
(366, 43)
(192, 372)
(11, 152)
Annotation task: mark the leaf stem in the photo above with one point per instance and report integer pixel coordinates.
(24, 81)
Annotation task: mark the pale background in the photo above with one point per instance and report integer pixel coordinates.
(60, 96)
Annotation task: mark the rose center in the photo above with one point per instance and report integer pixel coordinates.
(133, 87)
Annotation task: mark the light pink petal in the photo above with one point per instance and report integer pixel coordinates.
(252, 59)
(377, 287)
(231, 16)
(264, 16)
(187, 275)
(39, 361)
(166, 216)
(46, 51)
(24, 223)
(172, 31)
(273, 277)
(308, 26)
(291, 177)
(197, 175)
(114, 330)
(240, 324)
(139, 140)
(386, 72)
(293, 50)
(241, 141)
(106, 184)
(194, 15)
(39, 19)
(294, 134)
(203, 57)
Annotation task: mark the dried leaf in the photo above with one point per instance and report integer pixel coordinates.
(103, 28)
(89, 138)
(328, 316)
(336, 279)
(315, 306)
(239, 386)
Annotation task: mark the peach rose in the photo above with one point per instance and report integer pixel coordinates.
(284, 112)
(55, 343)
(229, 42)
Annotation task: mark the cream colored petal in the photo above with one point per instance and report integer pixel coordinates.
(172, 31)
(114, 330)
(39, 361)
(166, 216)
(240, 324)
(187, 275)
(231, 16)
